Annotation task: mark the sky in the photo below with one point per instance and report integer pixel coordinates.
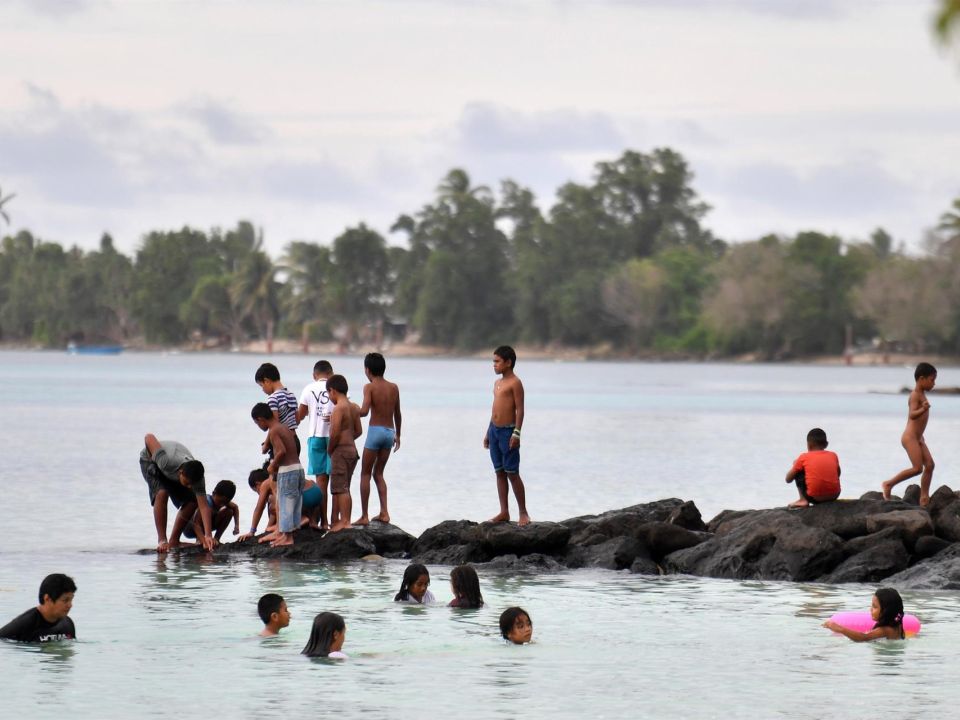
(306, 117)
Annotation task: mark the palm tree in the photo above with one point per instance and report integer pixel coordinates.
(4, 201)
(308, 268)
(255, 292)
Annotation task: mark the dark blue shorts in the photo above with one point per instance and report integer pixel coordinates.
(503, 458)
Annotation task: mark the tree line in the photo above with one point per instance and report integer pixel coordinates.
(622, 264)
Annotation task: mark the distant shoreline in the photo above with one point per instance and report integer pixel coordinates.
(568, 354)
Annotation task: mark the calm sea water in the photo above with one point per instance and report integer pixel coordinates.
(162, 636)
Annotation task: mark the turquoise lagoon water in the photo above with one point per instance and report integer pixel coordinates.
(161, 636)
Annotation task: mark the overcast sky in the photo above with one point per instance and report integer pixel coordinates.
(308, 116)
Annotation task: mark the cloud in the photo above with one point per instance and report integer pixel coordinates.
(55, 8)
(800, 9)
(855, 192)
(224, 125)
(490, 128)
(313, 181)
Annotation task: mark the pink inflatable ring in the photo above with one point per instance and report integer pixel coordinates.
(862, 622)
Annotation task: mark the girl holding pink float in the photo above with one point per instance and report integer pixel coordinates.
(886, 620)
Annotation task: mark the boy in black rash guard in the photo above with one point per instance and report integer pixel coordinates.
(48, 621)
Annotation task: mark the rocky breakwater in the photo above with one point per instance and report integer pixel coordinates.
(866, 540)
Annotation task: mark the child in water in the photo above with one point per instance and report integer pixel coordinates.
(886, 609)
(326, 637)
(272, 610)
(466, 587)
(413, 587)
(516, 625)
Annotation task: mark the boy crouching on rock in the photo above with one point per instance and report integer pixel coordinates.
(816, 472)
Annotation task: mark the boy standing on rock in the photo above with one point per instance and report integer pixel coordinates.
(918, 413)
(503, 434)
(345, 428)
(285, 467)
(381, 400)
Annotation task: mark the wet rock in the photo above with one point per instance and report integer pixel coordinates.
(614, 554)
(766, 544)
(310, 545)
(911, 495)
(725, 516)
(662, 538)
(534, 562)
(545, 538)
(621, 523)
(911, 524)
(865, 542)
(941, 497)
(929, 545)
(947, 522)
(847, 518)
(872, 565)
(687, 516)
(941, 572)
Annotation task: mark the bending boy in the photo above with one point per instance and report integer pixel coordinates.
(172, 474)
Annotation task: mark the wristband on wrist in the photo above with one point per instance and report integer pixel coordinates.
(516, 432)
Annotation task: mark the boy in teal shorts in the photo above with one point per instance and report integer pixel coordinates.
(315, 406)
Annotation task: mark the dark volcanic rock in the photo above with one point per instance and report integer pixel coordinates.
(911, 524)
(860, 544)
(941, 572)
(867, 540)
(930, 545)
(941, 497)
(545, 538)
(617, 554)
(535, 562)
(847, 518)
(662, 538)
(911, 495)
(687, 516)
(767, 544)
(872, 565)
(872, 495)
(947, 522)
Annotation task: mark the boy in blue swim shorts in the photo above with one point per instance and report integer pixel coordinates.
(502, 438)
(316, 408)
(381, 400)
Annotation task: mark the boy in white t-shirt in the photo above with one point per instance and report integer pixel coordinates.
(315, 404)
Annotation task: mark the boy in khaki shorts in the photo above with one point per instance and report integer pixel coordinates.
(344, 430)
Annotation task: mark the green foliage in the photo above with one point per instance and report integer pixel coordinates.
(622, 261)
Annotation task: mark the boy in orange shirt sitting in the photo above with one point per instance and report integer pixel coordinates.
(816, 472)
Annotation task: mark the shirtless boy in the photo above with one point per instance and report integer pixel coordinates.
(285, 466)
(503, 434)
(344, 430)
(381, 400)
(918, 413)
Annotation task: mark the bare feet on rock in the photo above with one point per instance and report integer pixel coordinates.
(338, 526)
(886, 487)
(500, 517)
(282, 540)
(383, 517)
(799, 504)
(524, 520)
(269, 537)
(362, 520)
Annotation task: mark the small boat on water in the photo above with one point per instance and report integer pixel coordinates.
(74, 349)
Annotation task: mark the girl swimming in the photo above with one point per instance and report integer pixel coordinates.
(413, 587)
(886, 609)
(466, 587)
(326, 637)
(516, 625)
